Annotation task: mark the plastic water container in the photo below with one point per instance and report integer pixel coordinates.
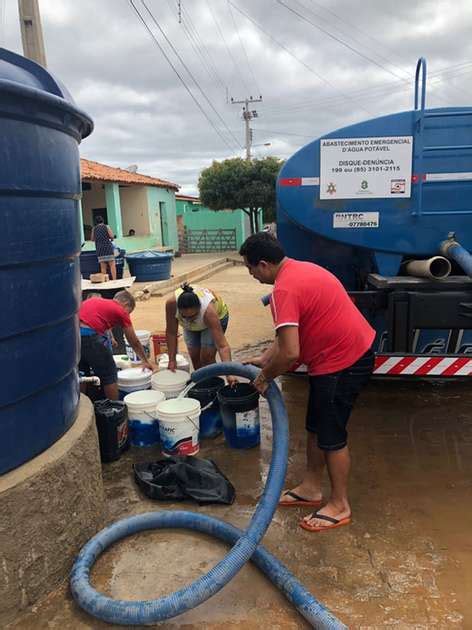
(169, 383)
(133, 380)
(206, 392)
(182, 362)
(239, 407)
(179, 426)
(142, 418)
(159, 342)
(111, 417)
(144, 337)
(122, 361)
(89, 263)
(149, 265)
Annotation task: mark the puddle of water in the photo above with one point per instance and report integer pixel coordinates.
(405, 562)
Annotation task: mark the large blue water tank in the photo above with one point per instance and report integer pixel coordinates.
(40, 129)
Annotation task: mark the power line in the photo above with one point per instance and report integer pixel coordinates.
(338, 39)
(190, 26)
(309, 68)
(377, 90)
(221, 119)
(243, 47)
(190, 34)
(182, 80)
(364, 34)
(236, 66)
(285, 133)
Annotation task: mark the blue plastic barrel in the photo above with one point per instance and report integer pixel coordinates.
(149, 266)
(40, 129)
(89, 263)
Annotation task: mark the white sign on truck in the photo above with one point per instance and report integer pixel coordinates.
(369, 168)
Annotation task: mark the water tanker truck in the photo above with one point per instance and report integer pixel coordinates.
(386, 205)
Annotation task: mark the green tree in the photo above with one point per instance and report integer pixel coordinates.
(245, 184)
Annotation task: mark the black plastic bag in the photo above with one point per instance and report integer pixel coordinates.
(186, 477)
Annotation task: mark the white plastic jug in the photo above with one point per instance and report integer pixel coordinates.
(182, 362)
(133, 380)
(144, 337)
(170, 383)
(179, 424)
(142, 418)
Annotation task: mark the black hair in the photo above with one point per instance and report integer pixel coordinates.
(262, 246)
(99, 220)
(188, 298)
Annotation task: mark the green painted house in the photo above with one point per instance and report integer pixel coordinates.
(193, 219)
(141, 210)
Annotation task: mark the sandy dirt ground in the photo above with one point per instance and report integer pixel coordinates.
(250, 322)
(404, 563)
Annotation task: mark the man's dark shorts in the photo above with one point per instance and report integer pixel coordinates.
(94, 354)
(331, 400)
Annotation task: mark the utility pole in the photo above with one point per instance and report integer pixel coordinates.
(31, 31)
(247, 116)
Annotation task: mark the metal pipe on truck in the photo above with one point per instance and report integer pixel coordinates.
(435, 268)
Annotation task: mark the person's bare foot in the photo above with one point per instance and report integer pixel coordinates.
(303, 492)
(338, 512)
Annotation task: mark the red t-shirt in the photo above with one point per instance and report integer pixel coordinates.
(101, 314)
(333, 333)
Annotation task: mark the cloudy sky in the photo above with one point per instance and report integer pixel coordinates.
(319, 65)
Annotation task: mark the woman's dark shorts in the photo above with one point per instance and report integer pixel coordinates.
(331, 399)
(94, 354)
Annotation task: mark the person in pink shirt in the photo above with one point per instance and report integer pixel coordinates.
(316, 324)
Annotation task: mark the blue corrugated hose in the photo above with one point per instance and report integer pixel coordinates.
(245, 544)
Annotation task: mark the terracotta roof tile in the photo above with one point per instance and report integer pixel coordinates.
(187, 198)
(91, 170)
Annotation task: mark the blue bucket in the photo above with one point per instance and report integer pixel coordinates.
(206, 392)
(239, 407)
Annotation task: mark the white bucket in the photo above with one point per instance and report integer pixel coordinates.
(144, 337)
(142, 418)
(182, 362)
(179, 424)
(133, 380)
(169, 383)
(122, 361)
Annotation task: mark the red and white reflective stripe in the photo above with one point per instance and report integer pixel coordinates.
(299, 181)
(422, 366)
(426, 177)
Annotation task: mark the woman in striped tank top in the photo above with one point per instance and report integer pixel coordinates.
(204, 318)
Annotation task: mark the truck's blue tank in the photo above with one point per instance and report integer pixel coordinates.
(311, 207)
(40, 129)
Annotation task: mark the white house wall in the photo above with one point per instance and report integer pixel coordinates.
(134, 210)
(92, 199)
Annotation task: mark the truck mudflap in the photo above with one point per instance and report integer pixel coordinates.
(418, 365)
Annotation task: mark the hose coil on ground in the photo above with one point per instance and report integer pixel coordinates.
(245, 543)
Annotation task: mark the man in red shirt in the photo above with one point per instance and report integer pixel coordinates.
(97, 317)
(316, 324)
